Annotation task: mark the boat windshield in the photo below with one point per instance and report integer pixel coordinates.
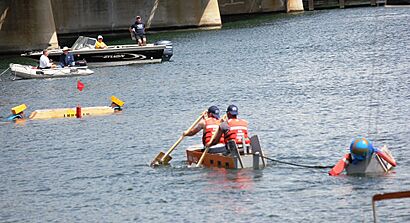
(84, 42)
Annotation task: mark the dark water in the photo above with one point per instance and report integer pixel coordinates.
(307, 84)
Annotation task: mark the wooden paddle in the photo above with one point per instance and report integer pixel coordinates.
(207, 148)
(164, 158)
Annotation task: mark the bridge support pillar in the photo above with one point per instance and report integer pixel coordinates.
(294, 6)
(26, 26)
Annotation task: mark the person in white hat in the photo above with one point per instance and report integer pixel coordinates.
(67, 58)
(100, 44)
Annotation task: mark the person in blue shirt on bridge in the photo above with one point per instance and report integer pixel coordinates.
(138, 30)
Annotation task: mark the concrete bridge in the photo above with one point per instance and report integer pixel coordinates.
(36, 24)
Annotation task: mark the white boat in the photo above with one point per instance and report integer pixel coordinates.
(32, 72)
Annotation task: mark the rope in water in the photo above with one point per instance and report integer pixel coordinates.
(300, 165)
(5, 71)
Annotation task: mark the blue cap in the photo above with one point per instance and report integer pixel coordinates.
(214, 111)
(232, 109)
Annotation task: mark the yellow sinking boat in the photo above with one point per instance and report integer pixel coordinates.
(71, 112)
(78, 112)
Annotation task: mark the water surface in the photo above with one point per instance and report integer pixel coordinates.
(307, 83)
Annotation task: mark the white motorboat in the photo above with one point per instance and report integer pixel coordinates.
(32, 72)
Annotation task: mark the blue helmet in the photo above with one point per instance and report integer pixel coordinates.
(361, 148)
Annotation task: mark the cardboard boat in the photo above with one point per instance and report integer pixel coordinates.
(374, 165)
(233, 160)
(71, 112)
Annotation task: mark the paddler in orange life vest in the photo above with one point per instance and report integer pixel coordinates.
(361, 150)
(233, 129)
(209, 126)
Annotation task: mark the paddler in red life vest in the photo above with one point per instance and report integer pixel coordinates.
(361, 150)
(209, 126)
(233, 129)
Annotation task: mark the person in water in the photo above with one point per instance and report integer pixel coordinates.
(361, 149)
(209, 125)
(116, 104)
(17, 113)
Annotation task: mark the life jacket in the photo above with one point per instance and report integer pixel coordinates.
(238, 129)
(211, 125)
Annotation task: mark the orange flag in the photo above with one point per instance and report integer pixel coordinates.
(80, 85)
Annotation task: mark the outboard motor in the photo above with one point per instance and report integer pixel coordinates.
(80, 63)
(168, 51)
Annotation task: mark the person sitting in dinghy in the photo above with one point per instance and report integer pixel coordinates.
(116, 104)
(209, 126)
(17, 113)
(360, 150)
(67, 58)
(45, 62)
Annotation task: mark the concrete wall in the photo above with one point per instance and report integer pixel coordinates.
(234, 7)
(32, 24)
(25, 26)
(76, 16)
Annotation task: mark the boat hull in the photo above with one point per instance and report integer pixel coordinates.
(30, 72)
(70, 112)
(373, 165)
(234, 160)
(111, 56)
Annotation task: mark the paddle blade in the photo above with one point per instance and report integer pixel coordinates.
(165, 160)
(340, 166)
(161, 159)
(80, 85)
(156, 161)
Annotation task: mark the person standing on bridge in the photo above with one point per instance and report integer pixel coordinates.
(138, 30)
